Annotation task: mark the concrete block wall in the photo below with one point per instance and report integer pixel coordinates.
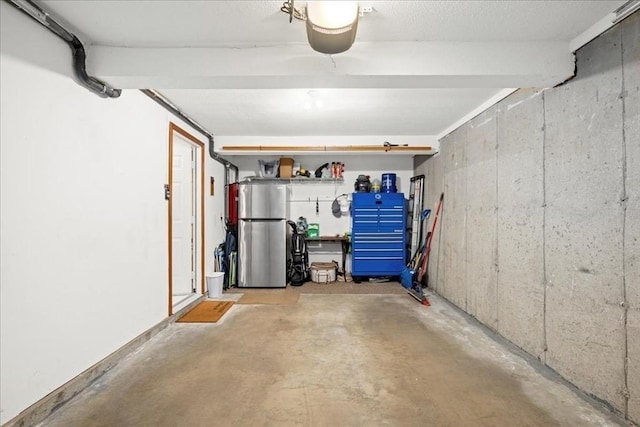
(480, 218)
(584, 162)
(539, 237)
(453, 223)
(520, 218)
(630, 41)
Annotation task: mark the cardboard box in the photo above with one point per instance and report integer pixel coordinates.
(286, 167)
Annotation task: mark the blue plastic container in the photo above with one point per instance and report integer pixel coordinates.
(389, 183)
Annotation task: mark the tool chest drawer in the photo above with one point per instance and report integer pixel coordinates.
(382, 254)
(372, 242)
(378, 235)
(378, 200)
(376, 267)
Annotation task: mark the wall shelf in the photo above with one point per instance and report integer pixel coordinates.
(324, 149)
(304, 180)
(301, 180)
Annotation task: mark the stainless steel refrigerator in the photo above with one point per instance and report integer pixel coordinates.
(262, 234)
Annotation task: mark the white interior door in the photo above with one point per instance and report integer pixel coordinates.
(183, 220)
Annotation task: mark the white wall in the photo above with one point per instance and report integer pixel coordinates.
(83, 217)
(214, 207)
(303, 195)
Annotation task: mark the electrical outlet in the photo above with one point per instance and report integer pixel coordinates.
(365, 9)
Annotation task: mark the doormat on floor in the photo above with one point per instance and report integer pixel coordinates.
(273, 297)
(206, 312)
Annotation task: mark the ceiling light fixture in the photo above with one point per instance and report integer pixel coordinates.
(331, 25)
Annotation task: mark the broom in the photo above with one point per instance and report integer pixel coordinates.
(415, 290)
(425, 260)
(406, 276)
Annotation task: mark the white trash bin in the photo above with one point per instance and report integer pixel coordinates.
(215, 281)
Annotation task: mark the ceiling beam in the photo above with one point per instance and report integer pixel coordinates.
(366, 65)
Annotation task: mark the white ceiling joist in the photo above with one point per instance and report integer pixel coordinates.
(366, 65)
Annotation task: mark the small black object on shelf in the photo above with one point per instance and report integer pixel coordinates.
(318, 172)
(362, 184)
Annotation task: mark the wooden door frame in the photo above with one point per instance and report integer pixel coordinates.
(174, 128)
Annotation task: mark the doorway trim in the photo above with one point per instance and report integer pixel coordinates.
(174, 128)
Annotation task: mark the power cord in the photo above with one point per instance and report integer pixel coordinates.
(289, 9)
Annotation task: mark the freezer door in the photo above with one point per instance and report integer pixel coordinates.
(263, 200)
(262, 254)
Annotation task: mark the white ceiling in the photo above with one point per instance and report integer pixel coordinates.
(348, 112)
(417, 67)
(206, 23)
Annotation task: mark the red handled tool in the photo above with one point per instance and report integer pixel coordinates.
(425, 260)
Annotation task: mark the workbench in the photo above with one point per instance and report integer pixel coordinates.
(344, 244)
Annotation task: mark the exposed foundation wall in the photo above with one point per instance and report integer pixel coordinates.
(631, 238)
(539, 237)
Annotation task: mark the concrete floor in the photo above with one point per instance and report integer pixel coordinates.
(329, 360)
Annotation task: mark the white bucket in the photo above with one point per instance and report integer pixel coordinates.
(215, 281)
(323, 272)
(344, 206)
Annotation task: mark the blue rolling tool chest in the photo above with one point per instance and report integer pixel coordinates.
(378, 236)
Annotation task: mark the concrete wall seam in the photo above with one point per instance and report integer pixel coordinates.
(623, 202)
(630, 94)
(496, 248)
(544, 225)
